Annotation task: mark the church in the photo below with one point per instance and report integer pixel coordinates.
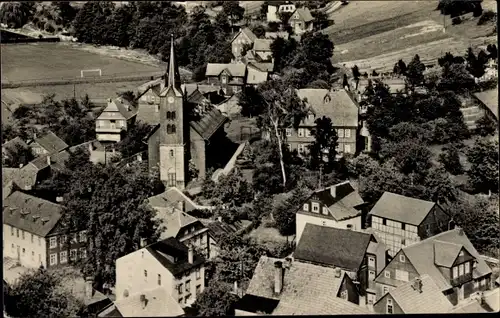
(181, 137)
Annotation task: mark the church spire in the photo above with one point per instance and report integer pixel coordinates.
(171, 81)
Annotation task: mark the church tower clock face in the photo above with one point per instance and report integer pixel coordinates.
(170, 100)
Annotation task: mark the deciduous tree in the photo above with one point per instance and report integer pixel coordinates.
(485, 126)
(323, 149)
(483, 173)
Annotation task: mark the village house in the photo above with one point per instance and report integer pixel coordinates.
(47, 144)
(167, 273)
(336, 105)
(358, 254)
(339, 206)
(400, 221)
(488, 102)
(301, 21)
(274, 35)
(98, 153)
(231, 77)
(177, 139)
(118, 116)
(217, 228)
(245, 37)
(173, 197)
(448, 258)
(34, 236)
(257, 73)
(290, 287)
(262, 49)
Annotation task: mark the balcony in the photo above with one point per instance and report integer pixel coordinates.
(458, 281)
(109, 129)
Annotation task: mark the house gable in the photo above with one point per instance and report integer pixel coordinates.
(402, 265)
(380, 307)
(463, 256)
(435, 222)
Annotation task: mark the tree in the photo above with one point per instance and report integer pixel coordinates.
(362, 165)
(284, 213)
(406, 131)
(233, 11)
(483, 173)
(134, 140)
(323, 149)
(410, 156)
(492, 49)
(259, 31)
(456, 78)
(232, 189)
(450, 159)
(356, 74)
(18, 156)
(485, 126)
(38, 293)
(320, 19)
(415, 72)
(282, 52)
(66, 12)
(16, 14)
(283, 108)
(251, 102)
(216, 300)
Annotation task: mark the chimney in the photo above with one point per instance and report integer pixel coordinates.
(144, 301)
(417, 285)
(190, 255)
(219, 218)
(235, 287)
(460, 231)
(139, 157)
(109, 100)
(88, 287)
(90, 147)
(20, 165)
(59, 199)
(338, 272)
(35, 217)
(333, 191)
(143, 242)
(34, 135)
(48, 160)
(278, 277)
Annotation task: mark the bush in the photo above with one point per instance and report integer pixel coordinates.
(486, 17)
(48, 27)
(456, 20)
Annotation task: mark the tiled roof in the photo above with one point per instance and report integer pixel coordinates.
(430, 301)
(274, 35)
(31, 214)
(190, 88)
(51, 143)
(490, 99)
(304, 14)
(262, 45)
(400, 208)
(175, 221)
(209, 123)
(343, 205)
(236, 70)
(73, 282)
(42, 162)
(159, 303)
(257, 76)
(8, 175)
(217, 228)
(331, 246)
(264, 67)
(96, 146)
(118, 105)
(421, 256)
(248, 33)
(445, 253)
(307, 289)
(27, 176)
(257, 304)
(173, 255)
(171, 197)
(11, 144)
(336, 105)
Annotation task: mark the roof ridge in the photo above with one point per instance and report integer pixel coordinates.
(433, 238)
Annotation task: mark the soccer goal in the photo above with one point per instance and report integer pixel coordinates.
(89, 71)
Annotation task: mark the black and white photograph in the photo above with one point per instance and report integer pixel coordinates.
(249, 158)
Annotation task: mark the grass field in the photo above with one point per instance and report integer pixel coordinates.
(56, 60)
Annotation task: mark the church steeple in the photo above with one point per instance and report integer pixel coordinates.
(172, 78)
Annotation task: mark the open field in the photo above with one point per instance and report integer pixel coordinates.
(55, 60)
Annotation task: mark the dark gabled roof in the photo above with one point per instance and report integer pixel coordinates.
(490, 99)
(59, 159)
(118, 105)
(236, 69)
(334, 247)
(178, 251)
(31, 214)
(51, 143)
(255, 304)
(95, 144)
(209, 123)
(304, 14)
(247, 32)
(401, 208)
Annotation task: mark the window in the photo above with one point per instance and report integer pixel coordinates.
(347, 148)
(347, 133)
(83, 236)
(198, 273)
(306, 207)
(74, 238)
(300, 148)
(343, 294)
(461, 253)
(22, 234)
(72, 255)
(12, 231)
(341, 133)
(187, 299)
(159, 280)
(168, 115)
(198, 289)
(180, 300)
(53, 242)
(63, 239)
(371, 275)
(83, 252)
(402, 275)
(53, 259)
(387, 274)
(180, 289)
(224, 79)
(24, 250)
(476, 284)
(32, 238)
(173, 129)
(402, 258)
(467, 268)
(455, 272)
(371, 261)
(63, 257)
(169, 129)
(461, 269)
(325, 211)
(301, 132)
(315, 207)
(288, 132)
(386, 290)
(145, 274)
(171, 179)
(188, 286)
(157, 108)
(483, 282)
(172, 114)
(308, 132)
(389, 306)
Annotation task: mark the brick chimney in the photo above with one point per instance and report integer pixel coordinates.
(338, 272)
(333, 191)
(190, 255)
(219, 218)
(88, 287)
(143, 242)
(48, 160)
(417, 285)
(278, 277)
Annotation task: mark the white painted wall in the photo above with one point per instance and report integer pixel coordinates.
(303, 219)
(35, 253)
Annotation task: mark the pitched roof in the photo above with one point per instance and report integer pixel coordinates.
(31, 214)
(190, 88)
(248, 33)
(118, 106)
(51, 142)
(421, 256)
(307, 289)
(264, 67)
(336, 105)
(331, 246)
(173, 255)
(342, 206)
(59, 158)
(274, 35)
(26, 176)
(209, 123)
(174, 221)
(159, 303)
(430, 301)
(490, 99)
(304, 14)
(445, 253)
(217, 228)
(257, 76)
(74, 283)
(11, 144)
(400, 208)
(255, 304)
(235, 69)
(171, 197)
(8, 175)
(262, 45)
(95, 144)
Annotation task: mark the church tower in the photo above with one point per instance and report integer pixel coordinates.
(174, 130)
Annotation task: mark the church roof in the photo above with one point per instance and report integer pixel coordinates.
(173, 77)
(209, 123)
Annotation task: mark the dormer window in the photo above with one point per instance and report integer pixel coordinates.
(461, 253)
(455, 272)
(306, 207)
(467, 268)
(315, 207)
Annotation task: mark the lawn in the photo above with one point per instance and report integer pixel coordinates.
(56, 60)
